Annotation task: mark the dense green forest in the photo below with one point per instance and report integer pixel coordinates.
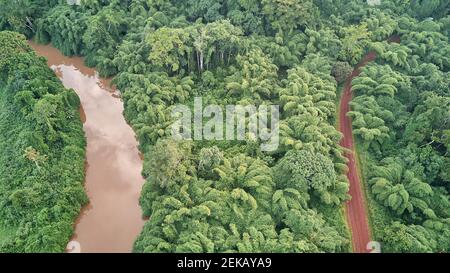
(401, 116)
(228, 196)
(41, 152)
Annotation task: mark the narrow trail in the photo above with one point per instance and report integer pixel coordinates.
(356, 206)
(356, 209)
(113, 218)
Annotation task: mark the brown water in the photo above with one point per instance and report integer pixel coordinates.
(113, 218)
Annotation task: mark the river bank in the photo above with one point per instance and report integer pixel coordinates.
(113, 218)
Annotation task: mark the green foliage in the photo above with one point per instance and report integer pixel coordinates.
(315, 172)
(235, 212)
(286, 15)
(430, 47)
(246, 14)
(381, 26)
(255, 78)
(167, 47)
(20, 15)
(400, 113)
(217, 196)
(193, 48)
(416, 239)
(103, 33)
(323, 41)
(355, 39)
(341, 71)
(209, 10)
(395, 54)
(64, 27)
(42, 152)
(423, 9)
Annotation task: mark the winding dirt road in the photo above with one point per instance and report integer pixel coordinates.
(355, 208)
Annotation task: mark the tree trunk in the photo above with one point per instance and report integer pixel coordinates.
(201, 61)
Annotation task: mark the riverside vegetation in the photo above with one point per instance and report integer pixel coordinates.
(217, 196)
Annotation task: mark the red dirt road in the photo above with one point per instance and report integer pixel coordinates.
(356, 207)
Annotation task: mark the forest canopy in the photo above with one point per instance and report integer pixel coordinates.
(218, 196)
(42, 152)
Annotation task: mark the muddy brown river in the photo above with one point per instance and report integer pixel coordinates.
(113, 218)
